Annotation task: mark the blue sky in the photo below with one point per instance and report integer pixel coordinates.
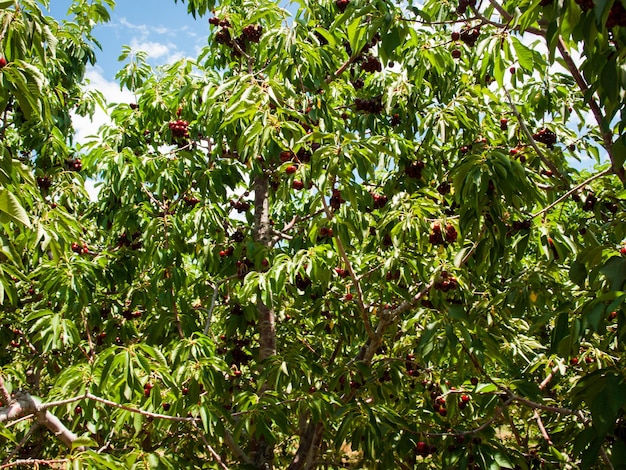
(162, 28)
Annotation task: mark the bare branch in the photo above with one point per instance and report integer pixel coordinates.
(139, 411)
(542, 428)
(211, 449)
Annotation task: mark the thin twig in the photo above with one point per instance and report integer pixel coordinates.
(207, 326)
(139, 411)
(547, 380)
(359, 292)
(542, 428)
(573, 190)
(22, 443)
(211, 449)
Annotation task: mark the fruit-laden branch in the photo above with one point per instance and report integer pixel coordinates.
(572, 191)
(496, 415)
(607, 135)
(531, 139)
(357, 284)
(25, 404)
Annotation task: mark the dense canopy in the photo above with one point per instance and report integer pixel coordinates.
(349, 234)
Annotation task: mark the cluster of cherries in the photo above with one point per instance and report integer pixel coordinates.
(371, 64)
(414, 169)
(617, 16)
(240, 206)
(439, 236)
(545, 136)
(446, 282)
(336, 200)
(253, 32)
(81, 249)
(342, 4)
(74, 164)
(250, 33)
(469, 35)
(190, 201)
(179, 128)
(325, 232)
(369, 105)
(464, 4)
(44, 182)
(380, 200)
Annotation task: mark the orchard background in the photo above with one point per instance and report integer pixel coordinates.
(349, 234)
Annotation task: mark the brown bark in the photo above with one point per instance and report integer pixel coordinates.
(24, 404)
(262, 451)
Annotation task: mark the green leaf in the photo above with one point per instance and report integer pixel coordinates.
(11, 207)
(83, 442)
(615, 271)
(523, 53)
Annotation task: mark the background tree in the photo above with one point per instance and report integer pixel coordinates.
(349, 234)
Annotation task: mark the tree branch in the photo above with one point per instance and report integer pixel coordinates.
(541, 427)
(572, 191)
(25, 404)
(344, 256)
(531, 139)
(607, 135)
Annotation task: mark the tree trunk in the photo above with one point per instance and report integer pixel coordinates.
(262, 451)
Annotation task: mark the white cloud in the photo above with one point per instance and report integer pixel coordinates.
(153, 49)
(85, 126)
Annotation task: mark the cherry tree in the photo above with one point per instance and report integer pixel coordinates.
(349, 234)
